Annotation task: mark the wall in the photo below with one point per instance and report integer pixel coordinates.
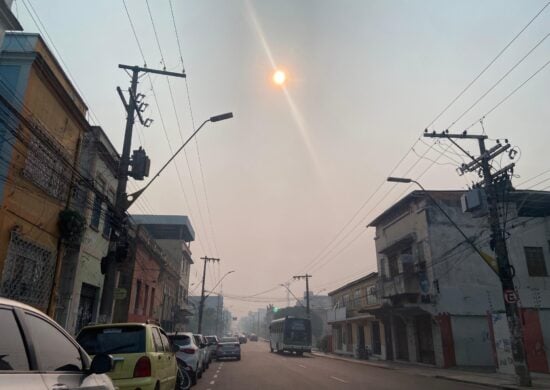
(472, 341)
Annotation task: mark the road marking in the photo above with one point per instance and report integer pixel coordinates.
(302, 366)
(212, 382)
(338, 379)
(216, 376)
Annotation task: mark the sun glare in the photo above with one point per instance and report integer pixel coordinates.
(279, 77)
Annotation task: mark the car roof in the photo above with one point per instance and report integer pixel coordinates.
(171, 334)
(118, 325)
(10, 302)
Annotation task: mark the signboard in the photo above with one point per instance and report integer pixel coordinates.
(120, 294)
(510, 296)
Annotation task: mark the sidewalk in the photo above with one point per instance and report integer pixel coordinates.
(495, 380)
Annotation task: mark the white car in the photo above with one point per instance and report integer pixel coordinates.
(205, 350)
(52, 359)
(189, 352)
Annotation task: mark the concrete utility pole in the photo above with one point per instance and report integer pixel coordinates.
(506, 271)
(201, 303)
(119, 236)
(306, 277)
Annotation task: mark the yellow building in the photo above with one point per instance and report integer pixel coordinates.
(42, 122)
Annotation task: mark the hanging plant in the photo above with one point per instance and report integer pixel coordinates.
(71, 226)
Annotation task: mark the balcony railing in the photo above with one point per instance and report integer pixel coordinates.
(400, 284)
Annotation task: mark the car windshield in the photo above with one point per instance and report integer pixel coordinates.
(229, 340)
(180, 340)
(117, 340)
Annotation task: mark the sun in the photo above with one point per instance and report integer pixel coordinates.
(279, 77)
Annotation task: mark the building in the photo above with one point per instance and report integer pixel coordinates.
(212, 320)
(8, 21)
(442, 304)
(81, 278)
(174, 234)
(356, 332)
(44, 122)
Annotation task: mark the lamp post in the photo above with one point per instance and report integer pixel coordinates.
(468, 240)
(203, 298)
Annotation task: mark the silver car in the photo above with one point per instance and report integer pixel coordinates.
(52, 359)
(205, 352)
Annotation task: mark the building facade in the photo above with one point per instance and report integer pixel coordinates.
(355, 332)
(8, 21)
(44, 122)
(81, 278)
(442, 304)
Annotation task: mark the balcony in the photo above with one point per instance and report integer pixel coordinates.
(335, 315)
(401, 285)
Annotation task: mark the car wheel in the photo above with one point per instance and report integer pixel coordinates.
(199, 374)
(194, 378)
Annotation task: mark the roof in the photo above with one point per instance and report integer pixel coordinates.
(407, 199)
(372, 275)
(531, 203)
(167, 227)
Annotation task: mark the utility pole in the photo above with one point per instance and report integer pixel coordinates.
(119, 236)
(201, 303)
(505, 270)
(287, 286)
(306, 277)
(219, 310)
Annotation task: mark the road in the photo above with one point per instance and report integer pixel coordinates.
(260, 369)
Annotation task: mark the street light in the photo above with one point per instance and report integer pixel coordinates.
(203, 297)
(133, 197)
(285, 286)
(407, 180)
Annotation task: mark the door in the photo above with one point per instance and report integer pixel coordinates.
(425, 340)
(401, 341)
(15, 373)
(376, 343)
(88, 294)
(534, 341)
(59, 359)
(168, 362)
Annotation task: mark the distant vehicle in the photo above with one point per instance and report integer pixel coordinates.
(290, 334)
(144, 356)
(37, 354)
(189, 352)
(228, 347)
(253, 337)
(242, 339)
(212, 345)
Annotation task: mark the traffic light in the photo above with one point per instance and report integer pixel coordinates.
(275, 309)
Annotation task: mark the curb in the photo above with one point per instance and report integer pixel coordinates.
(437, 376)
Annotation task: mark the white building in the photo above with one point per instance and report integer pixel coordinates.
(442, 304)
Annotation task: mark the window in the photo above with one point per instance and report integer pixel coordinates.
(536, 266)
(356, 298)
(96, 212)
(138, 296)
(107, 223)
(165, 342)
(394, 268)
(156, 340)
(125, 339)
(12, 350)
(54, 350)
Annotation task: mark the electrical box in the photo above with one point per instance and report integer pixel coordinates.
(140, 164)
(474, 201)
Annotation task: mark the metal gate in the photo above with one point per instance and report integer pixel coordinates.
(86, 306)
(28, 272)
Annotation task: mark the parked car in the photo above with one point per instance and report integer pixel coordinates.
(253, 337)
(242, 339)
(228, 347)
(144, 356)
(205, 353)
(212, 345)
(189, 351)
(38, 354)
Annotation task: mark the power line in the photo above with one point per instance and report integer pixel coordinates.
(502, 78)
(487, 67)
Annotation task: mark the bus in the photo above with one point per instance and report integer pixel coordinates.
(290, 334)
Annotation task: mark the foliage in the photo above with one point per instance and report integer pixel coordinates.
(324, 344)
(71, 226)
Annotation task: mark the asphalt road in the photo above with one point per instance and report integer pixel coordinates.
(261, 370)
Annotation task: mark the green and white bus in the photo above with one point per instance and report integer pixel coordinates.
(290, 334)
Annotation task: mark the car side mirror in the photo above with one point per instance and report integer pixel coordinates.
(101, 364)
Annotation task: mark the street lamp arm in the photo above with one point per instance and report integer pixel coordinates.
(216, 118)
(432, 199)
(219, 281)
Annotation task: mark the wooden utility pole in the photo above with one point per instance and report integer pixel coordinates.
(119, 235)
(505, 270)
(201, 303)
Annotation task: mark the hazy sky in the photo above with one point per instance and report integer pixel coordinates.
(295, 165)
